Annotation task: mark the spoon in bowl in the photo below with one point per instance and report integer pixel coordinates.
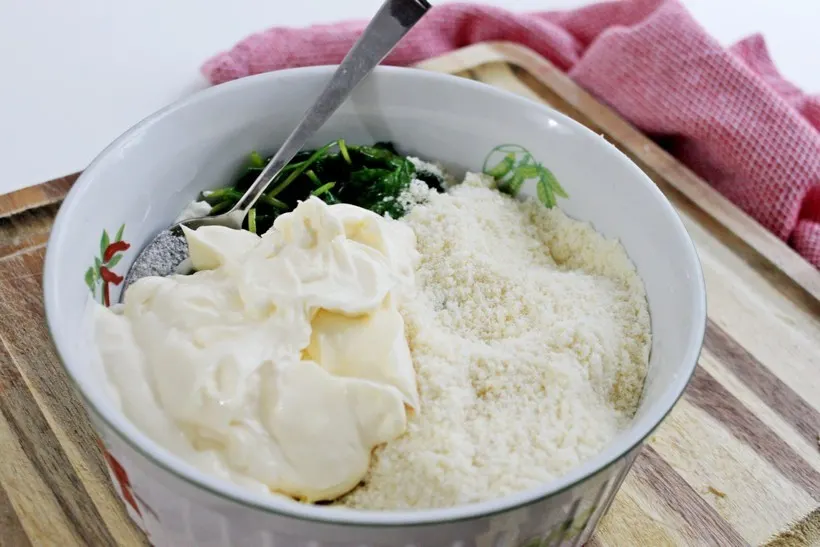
(164, 254)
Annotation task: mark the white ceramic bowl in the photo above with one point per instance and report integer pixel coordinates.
(144, 179)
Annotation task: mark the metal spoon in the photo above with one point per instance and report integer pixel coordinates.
(164, 254)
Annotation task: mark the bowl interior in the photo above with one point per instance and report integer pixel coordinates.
(145, 178)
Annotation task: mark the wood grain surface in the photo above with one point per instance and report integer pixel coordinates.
(737, 462)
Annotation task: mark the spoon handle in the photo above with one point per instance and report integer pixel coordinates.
(388, 26)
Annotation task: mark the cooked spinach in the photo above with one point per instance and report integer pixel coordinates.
(372, 177)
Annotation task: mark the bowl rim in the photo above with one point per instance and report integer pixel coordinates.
(227, 491)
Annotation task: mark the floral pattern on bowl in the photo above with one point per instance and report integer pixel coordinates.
(101, 275)
(99, 279)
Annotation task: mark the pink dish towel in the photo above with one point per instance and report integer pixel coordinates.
(727, 114)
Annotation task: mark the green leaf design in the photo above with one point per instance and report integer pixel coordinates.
(554, 185)
(527, 171)
(503, 167)
(513, 186)
(114, 261)
(90, 280)
(97, 265)
(544, 193)
(517, 167)
(120, 232)
(104, 242)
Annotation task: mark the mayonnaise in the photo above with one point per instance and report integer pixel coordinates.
(282, 362)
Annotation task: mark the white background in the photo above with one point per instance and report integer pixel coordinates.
(77, 73)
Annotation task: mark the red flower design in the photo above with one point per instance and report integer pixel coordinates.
(110, 277)
(102, 272)
(114, 248)
(121, 476)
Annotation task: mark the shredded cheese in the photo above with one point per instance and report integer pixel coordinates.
(530, 338)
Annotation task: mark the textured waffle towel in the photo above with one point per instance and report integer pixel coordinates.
(727, 114)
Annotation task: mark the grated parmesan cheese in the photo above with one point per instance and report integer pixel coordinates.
(530, 338)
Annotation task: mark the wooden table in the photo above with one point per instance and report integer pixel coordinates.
(737, 462)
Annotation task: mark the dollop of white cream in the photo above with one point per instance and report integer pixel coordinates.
(282, 362)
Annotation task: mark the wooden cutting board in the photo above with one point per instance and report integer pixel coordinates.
(737, 462)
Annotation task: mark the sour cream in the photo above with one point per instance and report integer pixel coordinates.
(282, 362)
